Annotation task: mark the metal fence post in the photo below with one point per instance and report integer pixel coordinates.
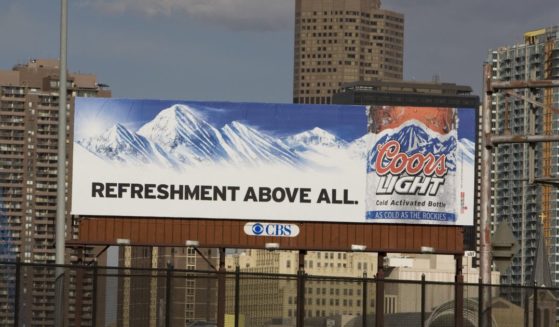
(94, 295)
(16, 293)
(480, 303)
(221, 289)
(423, 300)
(535, 309)
(168, 297)
(237, 295)
(364, 307)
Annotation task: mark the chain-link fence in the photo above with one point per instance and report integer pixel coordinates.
(114, 296)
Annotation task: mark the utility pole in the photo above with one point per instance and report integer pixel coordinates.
(61, 170)
(490, 141)
(486, 162)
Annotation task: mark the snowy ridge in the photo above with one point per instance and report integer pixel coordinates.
(179, 136)
(316, 137)
(184, 134)
(245, 144)
(121, 145)
(359, 148)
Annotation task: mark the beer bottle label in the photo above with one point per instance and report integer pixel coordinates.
(412, 166)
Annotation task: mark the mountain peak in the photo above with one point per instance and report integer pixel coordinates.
(238, 124)
(320, 131)
(118, 131)
(119, 127)
(316, 137)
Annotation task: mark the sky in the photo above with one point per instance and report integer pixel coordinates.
(242, 50)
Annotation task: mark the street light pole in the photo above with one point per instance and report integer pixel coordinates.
(486, 162)
(61, 169)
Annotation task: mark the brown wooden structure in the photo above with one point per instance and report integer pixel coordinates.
(318, 236)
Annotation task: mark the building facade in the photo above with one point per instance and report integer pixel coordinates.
(406, 93)
(344, 41)
(28, 172)
(272, 301)
(141, 301)
(530, 209)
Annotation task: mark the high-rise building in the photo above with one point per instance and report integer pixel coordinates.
(28, 173)
(344, 41)
(530, 209)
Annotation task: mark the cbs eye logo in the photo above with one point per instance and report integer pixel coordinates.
(257, 229)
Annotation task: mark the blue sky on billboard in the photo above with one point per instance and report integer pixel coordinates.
(347, 122)
(97, 115)
(242, 50)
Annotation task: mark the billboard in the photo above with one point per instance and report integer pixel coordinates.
(281, 162)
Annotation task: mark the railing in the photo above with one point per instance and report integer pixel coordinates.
(117, 296)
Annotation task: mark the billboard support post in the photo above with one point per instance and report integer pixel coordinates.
(221, 289)
(458, 293)
(423, 284)
(61, 168)
(237, 294)
(301, 289)
(486, 160)
(379, 313)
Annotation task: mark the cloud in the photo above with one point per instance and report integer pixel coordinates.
(254, 15)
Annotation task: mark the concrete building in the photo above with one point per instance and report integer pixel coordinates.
(272, 301)
(141, 300)
(393, 92)
(531, 210)
(28, 148)
(344, 41)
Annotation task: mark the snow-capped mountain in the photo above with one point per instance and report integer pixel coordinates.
(316, 137)
(359, 148)
(121, 145)
(244, 144)
(184, 134)
(179, 136)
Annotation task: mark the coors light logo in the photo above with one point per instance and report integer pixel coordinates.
(411, 166)
(416, 174)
